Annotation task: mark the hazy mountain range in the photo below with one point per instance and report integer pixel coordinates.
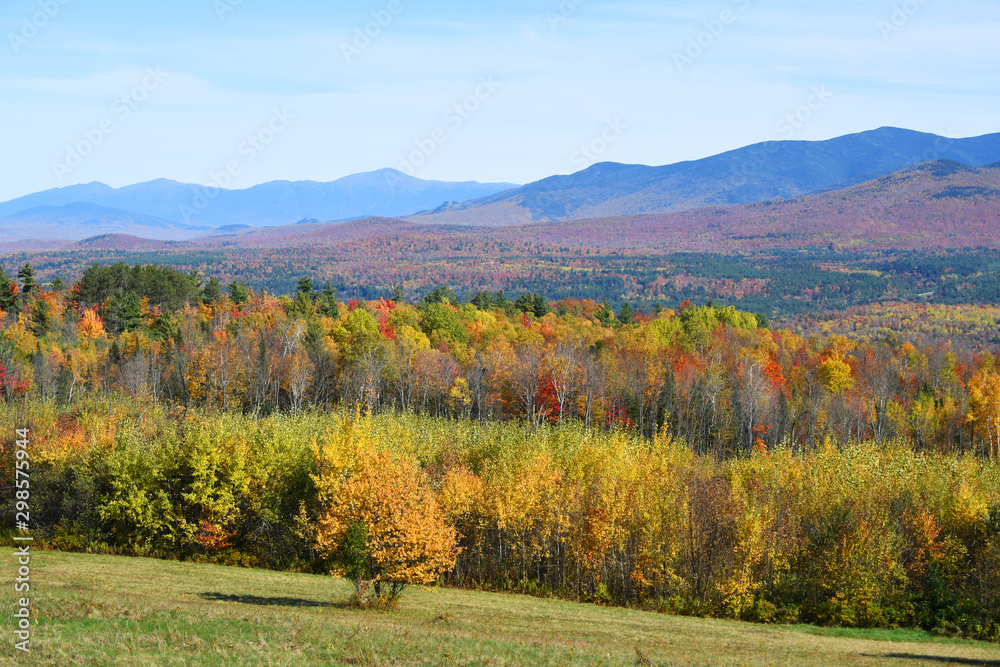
(168, 210)
(938, 204)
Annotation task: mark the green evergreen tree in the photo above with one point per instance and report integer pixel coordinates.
(327, 303)
(500, 302)
(165, 287)
(625, 314)
(195, 277)
(212, 291)
(41, 317)
(302, 306)
(166, 327)
(238, 292)
(8, 302)
(124, 312)
(605, 315)
(29, 286)
(525, 303)
(315, 334)
(540, 306)
(439, 295)
(483, 301)
(305, 285)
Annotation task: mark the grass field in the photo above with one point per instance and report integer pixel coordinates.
(101, 610)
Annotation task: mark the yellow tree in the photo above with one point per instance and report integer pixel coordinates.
(984, 409)
(385, 526)
(836, 374)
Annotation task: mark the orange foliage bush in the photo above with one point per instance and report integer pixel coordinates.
(407, 539)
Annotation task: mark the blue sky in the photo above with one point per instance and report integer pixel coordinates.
(175, 90)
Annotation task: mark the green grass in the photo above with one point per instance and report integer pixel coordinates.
(880, 634)
(103, 610)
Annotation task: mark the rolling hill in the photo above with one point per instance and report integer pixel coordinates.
(772, 170)
(934, 204)
(307, 234)
(79, 220)
(124, 243)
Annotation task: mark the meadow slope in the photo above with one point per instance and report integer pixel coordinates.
(102, 610)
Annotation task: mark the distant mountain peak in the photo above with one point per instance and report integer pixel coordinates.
(771, 170)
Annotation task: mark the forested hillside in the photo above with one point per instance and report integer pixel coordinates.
(777, 283)
(697, 460)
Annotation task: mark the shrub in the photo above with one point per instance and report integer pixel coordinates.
(384, 526)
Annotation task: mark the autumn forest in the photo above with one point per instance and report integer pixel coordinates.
(698, 459)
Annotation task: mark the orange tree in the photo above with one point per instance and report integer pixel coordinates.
(384, 526)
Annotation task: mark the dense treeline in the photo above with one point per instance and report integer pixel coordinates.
(776, 282)
(712, 376)
(868, 535)
(921, 323)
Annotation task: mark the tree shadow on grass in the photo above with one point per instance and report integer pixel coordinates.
(939, 658)
(265, 602)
